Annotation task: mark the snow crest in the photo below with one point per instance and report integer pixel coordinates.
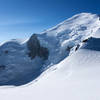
(17, 68)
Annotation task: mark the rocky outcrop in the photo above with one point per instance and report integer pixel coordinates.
(85, 40)
(33, 46)
(35, 49)
(43, 53)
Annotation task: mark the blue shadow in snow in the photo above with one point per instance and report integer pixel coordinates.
(93, 44)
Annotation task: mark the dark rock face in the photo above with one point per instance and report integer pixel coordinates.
(35, 49)
(43, 53)
(77, 47)
(33, 46)
(85, 40)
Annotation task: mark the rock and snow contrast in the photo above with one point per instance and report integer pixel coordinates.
(59, 64)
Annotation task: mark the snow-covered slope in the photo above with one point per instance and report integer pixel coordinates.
(75, 78)
(69, 34)
(22, 62)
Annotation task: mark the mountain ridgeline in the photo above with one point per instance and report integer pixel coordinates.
(23, 62)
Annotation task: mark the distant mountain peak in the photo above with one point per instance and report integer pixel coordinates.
(23, 62)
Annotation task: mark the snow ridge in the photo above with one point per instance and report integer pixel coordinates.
(17, 68)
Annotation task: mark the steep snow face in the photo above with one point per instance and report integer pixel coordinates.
(84, 22)
(75, 78)
(62, 38)
(17, 67)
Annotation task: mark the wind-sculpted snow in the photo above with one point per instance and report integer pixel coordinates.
(20, 63)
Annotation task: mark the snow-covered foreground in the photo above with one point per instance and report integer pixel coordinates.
(75, 78)
(72, 75)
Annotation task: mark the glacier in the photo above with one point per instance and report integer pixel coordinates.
(18, 66)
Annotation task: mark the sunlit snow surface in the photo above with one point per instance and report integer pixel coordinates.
(75, 78)
(18, 69)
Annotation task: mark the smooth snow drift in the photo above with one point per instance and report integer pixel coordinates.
(17, 67)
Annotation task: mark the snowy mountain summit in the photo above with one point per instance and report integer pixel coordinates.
(22, 62)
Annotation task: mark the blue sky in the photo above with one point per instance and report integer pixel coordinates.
(21, 18)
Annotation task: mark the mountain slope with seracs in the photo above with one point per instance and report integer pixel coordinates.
(69, 33)
(20, 63)
(77, 77)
